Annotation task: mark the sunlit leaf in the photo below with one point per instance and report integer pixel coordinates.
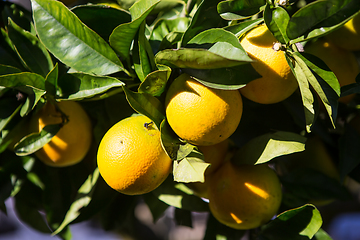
(319, 17)
(123, 35)
(155, 82)
(302, 73)
(277, 20)
(269, 146)
(51, 81)
(77, 86)
(190, 169)
(171, 195)
(71, 41)
(298, 224)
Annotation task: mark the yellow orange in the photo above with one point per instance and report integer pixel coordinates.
(202, 115)
(131, 158)
(70, 145)
(277, 82)
(244, 196)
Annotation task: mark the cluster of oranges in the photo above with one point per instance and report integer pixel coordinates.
(132, 159)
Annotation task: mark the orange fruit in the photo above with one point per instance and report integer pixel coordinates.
(277, 82)
(347, 36)
(131, 158)
(202, 115)
(244, 196)
(342, 62)
(70, 145)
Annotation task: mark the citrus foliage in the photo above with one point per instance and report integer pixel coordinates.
(115, 60)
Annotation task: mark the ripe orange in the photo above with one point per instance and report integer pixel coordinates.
(245, 196)
(342, 62)
(70, 145)
(131, 158)
(202, 115)
(277, 82)
(347, 36)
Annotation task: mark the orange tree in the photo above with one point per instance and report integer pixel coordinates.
(120, 59)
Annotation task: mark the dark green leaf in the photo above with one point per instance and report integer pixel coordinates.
(71, 41)
(219, 231)
(320, 17)
(269, 146)
(155, 82)
(169, 193)
(239, 9)
(147, 105)
(349, 150)
(297, 224)
(309, 185)
(35, 141)
(276, 20)
(31, 51)
(123, 35)
(8, 109)
(112, 17)
(205, 17)
(156, 206)
(183, 217)
(225, 78)
(8, 55)
(82, 200)
(18, 14)
(77, 86)
(33, 97)
(25, 79)
(5, 70)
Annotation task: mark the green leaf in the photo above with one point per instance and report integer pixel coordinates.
(225, 44)
(195, 58)
(155, 82)
(8, 110)
(239, 9)
(205, 17)
(169, 192)
(22, 80)
(20, 15)
(34, 141)
(143, 57)
(324, 83)
(123, 35)
(82, 200)
(110, 18)
(322, 235)
(76, 86)
(51, 81)
(309, 185)
(71, 41)
(240, 28)
(277, 20)
(33, 97)
(225, 78)
(8, 56)
(302, 73)
(190, 169)
(269, 146)
(5, 70)
(167, 32)
(31, 51)
(147, 105)
(319, 17)
(296, 224)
